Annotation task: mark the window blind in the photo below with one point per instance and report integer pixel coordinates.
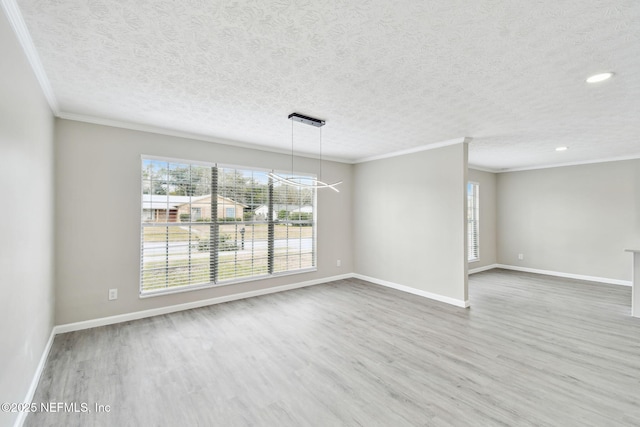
(473, 221)
(205, 225)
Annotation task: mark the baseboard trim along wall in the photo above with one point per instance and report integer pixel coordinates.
(94, 323)
(111, 320)
(485, 268)
(104, 321)
(554, 273)
(408, 289)
(22, 415)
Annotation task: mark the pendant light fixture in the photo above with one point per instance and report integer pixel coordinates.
(303, 181)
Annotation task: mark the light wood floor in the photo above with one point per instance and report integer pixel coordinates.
(532, 350)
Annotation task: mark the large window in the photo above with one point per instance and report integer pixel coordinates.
(218, 224)
(473, 221)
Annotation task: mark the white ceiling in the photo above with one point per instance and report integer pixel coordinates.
(386, 75)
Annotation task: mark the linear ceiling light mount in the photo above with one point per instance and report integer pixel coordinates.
(301, 181)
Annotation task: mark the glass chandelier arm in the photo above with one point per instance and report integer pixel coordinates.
(293, 183)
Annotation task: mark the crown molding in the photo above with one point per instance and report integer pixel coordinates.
(461, 140)
(200, 137)
(14, 16)
(560, 165)
(482, 169)
(188, 135)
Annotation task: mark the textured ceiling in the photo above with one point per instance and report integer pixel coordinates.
(385, 75)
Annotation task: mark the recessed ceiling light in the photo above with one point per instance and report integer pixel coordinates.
(561, 148)
(599, 77)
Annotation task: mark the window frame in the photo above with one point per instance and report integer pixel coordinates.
(475, 217)
(225, 282)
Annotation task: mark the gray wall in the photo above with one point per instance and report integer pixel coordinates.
(26, 222)
(576, 219)
(488, 225)
(98, 217)
(410, 220)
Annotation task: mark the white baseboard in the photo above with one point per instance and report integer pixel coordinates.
(111, 320)
(103, 321)
(485, 268)
(566, 275)
(408, 289)
(22, 415)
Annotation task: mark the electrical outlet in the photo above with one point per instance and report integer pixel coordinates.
(113, 294)
(520, 257)
(338, 263)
